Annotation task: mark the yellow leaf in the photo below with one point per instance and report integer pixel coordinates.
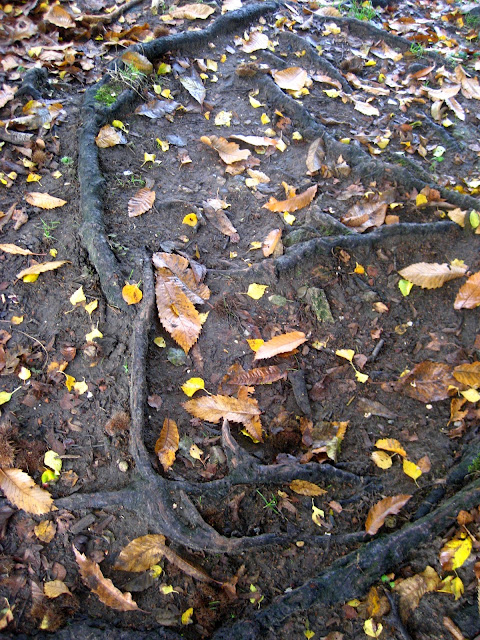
(359, 269)
(141, 553)
(25, 374)
(472, 395)
(405, 287)
(308, 633)
(187, 615)
(332, 93)
(361, 377)
(372, 629)
(256, 291)
(131, 294)
(77, 297)
(192, 385)
(318, 515)
(195, 452)
(31, 278)
(255, 343)
(80, 387)
(190, 219)
(33, 177)
(156, 571)
(453, 585)
(5, 396)
(45, 531)
(289, 217)
(255, 245)
(166, 589)
(160, 342)
(421, 199)
(382, 459)
(166, 445)
(94, 333)
(91, 306)
(293, 203)
(455, 552)
(255, 103)
(223, 118)
(163, 144)
(148, 157)
(305, 488)
(118, 124)
(55, 588)
(264, 119)
(69, 381)
(53, 461)
(345, 353)
(16, 319)
(390, 444)
(411, 469)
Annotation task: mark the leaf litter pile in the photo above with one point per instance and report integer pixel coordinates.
(239, 351)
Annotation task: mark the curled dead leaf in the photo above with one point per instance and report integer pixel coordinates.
(167, 444)
(141, 202)
(292, 204)
(383, 508)
(229, 152)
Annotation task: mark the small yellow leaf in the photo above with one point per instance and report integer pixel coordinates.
(390, 444)
(190, 219)
(361, 377)
(80, 387)
(69, 381)
(94, 333)
(53, 461)
(296, 135)
(256, 291)
(160, 342)
(264, 118)
(16, 319)
(192, 385)
(33, 177)
(255, 343)
(223, 118)
(308, 633)
(331, 93)
(255, 245)
(163, 144)
(382, 459)
(91, 306)
(255, 103)
(421, 199)
(131, 294)
(156, 571)
(5, 396)
(55, 588)
(359, 269)
(45, 531)
(405, 287)
(118, 124)
(77, 297)
(289, 217)
(345, 353)
(318, 515)
(33, 277)
(195, 452)
(24, 374)
(411, 469)
(187, 616)
(453, 585)
(372, 629)
(148, 157)
(166, 589)
(472, 395)
(455, 552)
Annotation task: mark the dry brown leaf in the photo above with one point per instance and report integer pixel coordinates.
(21, 491)
(43, 200)
(188, 568)
(257, 141)
(261, 375)
(141, 202)
(41, 267)
(221, 222)
(431, 275)
(6, 94)
(12, 248)
(216, 408)
(315, 155)
(283, 343)
(45, 530)
(412, 589)
(271, 241)
(103, 587)
(139, 61)
(229, 152)
(386, 507)
(191, 274)
(328, 12)
(365, 215)
(305, 488)
(428, 381)
(293, 78)
(55, 588)
(292, 204)
(468, 296)
(141, 554)
(468, 374)
(390, 444)
(192, 12)
(470, 86)
(108, 136)
(167, 444)
(59, 17)
(255, 41)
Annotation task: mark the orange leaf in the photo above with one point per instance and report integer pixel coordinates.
(271, 241)
(432, 275)
(293, 78)
(137, 60)
(141, 554)
(378, 513)
(428, 381)
(261, 375)
(468, 296)
(167, 444)
(280, 344)
(43, 200)
(21, 491)
(101, 586)
(305, 488)
(216, 408)
(390, 444)
(141, 202)
(292, 204)
(131, 294)
(59, 17)
(229, 152)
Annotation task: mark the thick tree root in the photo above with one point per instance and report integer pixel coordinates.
(353, 574)
(94, 116)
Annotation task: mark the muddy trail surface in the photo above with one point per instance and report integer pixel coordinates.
(239, 348)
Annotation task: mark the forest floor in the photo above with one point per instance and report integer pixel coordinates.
(360, 417)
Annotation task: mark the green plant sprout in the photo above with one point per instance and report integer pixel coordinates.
(362, 10)
(417, 49)
(48, 227)
(270, 504)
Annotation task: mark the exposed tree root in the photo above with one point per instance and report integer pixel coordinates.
(353, 574)
(94, 116)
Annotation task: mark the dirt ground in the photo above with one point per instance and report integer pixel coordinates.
(364, 311)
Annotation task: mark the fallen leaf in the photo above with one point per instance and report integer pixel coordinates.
(382, 459)
(21, 491)
(78, 297)
(41, 267)
(167, 444)
(271, 241)
(260, 375)
(388, 506)
(45, 530)
(468, 374)
(256, 141)
(292, 204)
(305, 488)
(131, 294)
(15, 250)
(366, 108)
(468, 296)
(315, 155)
(140, 62)
(141, 202)
(455, 552)
(192, 385)
(283, 343)
(141, 554)
(229, 152)
(432, 275)
(390, 444)
(255, 41)
(428, 382)
(293, 78)
(58, 16)
(194, 85)
(44, 200)
(108, 136)
(187, 616)
(192, 11)
(101, 586)
(256, 291)
(55, 588)
(411, 469)
(221, 222)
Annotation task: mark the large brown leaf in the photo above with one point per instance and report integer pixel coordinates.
(229, 152)
(167, 443)
(191, 273)
(468, 296)
(221, 222)
(428, 381)
(378, 513)
(21, 491)
(141, 554)
(216, 408)
(365, 215)
(103, 587)
(292, 204)
(280, 344)
(261, 375)
(44, 200)
(192, 11)
(432, 275)
(141, 202)
(293, 78)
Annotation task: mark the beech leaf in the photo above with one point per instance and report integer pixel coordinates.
(428, 381)
(261, 375)
(192, 11)
(15, 250)
(141, 202)
(44, 200)
(386, 507)
(292, 204)
(432, 275)
(229, 152)
(283, 343)
(293, 78)
(468, 296)
(390, 444)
